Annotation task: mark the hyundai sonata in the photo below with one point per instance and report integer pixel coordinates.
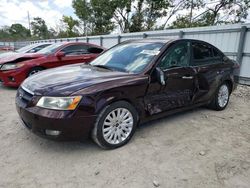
(131, 83)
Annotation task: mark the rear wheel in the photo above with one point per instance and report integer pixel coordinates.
(34, 71)
(115, 125)
(221, 98)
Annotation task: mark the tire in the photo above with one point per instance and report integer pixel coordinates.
(34, 71)
(221, 98)
(110, 132)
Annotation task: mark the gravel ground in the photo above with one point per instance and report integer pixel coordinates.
(198, 148)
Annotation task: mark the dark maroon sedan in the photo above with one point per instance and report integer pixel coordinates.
(131, 83)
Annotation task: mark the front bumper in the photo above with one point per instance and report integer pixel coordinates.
(12, 78)
(39, 120)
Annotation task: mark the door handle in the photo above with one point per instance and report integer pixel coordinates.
(187, 77)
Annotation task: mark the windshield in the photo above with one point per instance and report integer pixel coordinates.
(26, 48)
(128, 57)
(50, 49)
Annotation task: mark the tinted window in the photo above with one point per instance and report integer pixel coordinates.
(51, 48)
(202, 54)
(177, 56)
(36, 49)
(129, 57)
(75, 50)
(95, 50)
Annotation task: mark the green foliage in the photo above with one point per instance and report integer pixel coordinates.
(222, 12)
(70, 26)
(19, 31)
(184, 22)
(14, 32)
(96, 15)
(139, 15)
(39, 28)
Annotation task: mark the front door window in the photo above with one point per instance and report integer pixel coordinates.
(177, 56)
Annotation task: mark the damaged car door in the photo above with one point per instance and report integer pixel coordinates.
(172, 82)
(209, 66)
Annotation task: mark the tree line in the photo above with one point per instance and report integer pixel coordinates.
(97, 17)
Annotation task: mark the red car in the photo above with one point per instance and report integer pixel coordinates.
(6, 48)
(14, 69)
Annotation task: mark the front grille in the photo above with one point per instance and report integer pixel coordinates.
(24, 96)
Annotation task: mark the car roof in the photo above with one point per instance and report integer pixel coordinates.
(161, 40)
(150, 40)
(72, 43)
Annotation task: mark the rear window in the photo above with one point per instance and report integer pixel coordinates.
(201, 51)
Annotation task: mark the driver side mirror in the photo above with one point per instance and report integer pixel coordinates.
(160, 76)
(60, 55)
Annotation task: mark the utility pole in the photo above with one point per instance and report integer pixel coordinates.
(191, 13)
(29, 21)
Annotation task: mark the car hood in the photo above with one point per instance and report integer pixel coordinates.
(18, 57)
(69, 79)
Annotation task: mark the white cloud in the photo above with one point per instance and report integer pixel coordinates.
(63, 3)
(16, 11)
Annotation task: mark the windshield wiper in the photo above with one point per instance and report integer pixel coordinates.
(103, 66)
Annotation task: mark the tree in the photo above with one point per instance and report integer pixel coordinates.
(71, 25)
(4, 33)
(18, 31)
(215, 13)
(184, 22)
(139, 15)
(226, 11)
(39, 28)
(96, 15)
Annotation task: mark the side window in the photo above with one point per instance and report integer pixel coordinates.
(202, 53)
(177, 56)
(75, 50)
(37, 48)
(95, 50)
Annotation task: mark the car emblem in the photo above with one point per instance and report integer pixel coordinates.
(21, 95)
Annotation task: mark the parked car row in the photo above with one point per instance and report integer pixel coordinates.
(6, 48)
(106, 97)
(14, 68)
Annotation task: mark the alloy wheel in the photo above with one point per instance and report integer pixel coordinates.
(223, 96)
(117, 126)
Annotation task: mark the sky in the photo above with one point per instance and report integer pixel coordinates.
(16, 11)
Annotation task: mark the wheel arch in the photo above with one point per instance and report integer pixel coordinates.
(117, 98)
(230, 84)
(34, 67)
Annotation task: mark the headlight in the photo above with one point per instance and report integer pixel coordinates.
(11, 66)
(59, 103)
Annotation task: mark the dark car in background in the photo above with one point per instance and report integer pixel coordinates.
(131, 83)
(16, 68)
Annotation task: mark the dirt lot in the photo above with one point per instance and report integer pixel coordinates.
(198, 148)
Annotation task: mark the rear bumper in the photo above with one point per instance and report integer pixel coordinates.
(70, 126)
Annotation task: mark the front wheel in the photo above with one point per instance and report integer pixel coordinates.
(34, 71)
(115, 125)
(221, 98)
